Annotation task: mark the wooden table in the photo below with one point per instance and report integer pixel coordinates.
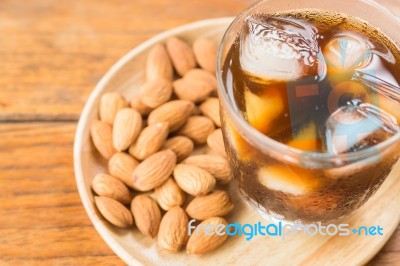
(52, 53)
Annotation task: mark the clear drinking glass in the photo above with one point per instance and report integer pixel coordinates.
(311, 186)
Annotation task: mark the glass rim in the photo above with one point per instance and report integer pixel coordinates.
(269, 143)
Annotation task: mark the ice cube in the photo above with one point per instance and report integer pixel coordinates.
(280, 49)
(346, 52)
(287, 179)
(358, 126)
(261, 111)
(241, 146)
(306, 139)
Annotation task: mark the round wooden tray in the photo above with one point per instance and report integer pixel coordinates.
(126, 76)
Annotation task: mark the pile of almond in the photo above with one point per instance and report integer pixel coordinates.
(153, 179)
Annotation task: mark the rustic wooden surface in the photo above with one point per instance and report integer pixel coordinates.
(52, 53)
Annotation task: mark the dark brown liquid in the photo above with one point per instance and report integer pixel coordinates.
(311, 107)
(295, 111)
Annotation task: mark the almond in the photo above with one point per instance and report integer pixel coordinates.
(210, 108)
(200, 242)
(175, 113)
(114, 212)
(127, 126)
(200, 74)
(216, 142)
(138, 105)
(193, 180)
(111, 187)
(101, 133)
(110, 104)
(156, 92)
(216, 165)
(205, 51)
(149, 141)
(191, 89)
(146, 214)
(217, 203)
(182, 146)
(181, 55)
(173, 233)
(197, 128)
(121, 166)
(158, 64)
(169, 195)
(154, 171)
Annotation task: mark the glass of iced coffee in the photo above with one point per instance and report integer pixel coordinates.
(310, 104)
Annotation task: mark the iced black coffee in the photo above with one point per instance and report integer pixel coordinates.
(325, 88)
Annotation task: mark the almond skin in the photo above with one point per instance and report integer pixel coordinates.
(205, 51)
(154, 171)
(158, 64)
(181, 55)
(216, 142)
(127, 126)
(210, 108)
(193, 180)
(114, 212)
(203, 75)
(216, 165)
(169, 195)
(121, 166)
(146, 214)
(109, 186)
(156, 92)
(137, 104)
(217, 203)
(101, 133)
(173, 233)
(110, 104)
(174, 112)
(200, 243)
(149, 141)
(191, 89)
(182, 146)
(197, 128)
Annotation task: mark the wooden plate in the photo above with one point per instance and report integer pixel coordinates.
(126, 76)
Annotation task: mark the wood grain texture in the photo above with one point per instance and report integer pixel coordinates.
(52, 54)
(42, 219)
